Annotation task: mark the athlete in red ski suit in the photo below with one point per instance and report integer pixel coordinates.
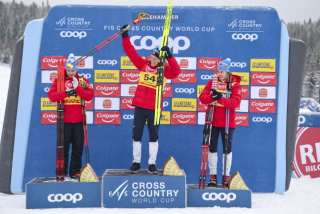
(73, 124)
(219, 94)
(144, 99)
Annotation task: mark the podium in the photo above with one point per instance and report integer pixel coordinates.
(142, 190)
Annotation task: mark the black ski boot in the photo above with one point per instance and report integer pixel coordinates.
(213, 181)
(225, 182)
(134, 169)
(152, 169)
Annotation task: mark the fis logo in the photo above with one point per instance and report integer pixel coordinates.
(120, 191)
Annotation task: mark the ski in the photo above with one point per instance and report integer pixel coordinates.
(161, 65)
(138, 19)
(60, 125)
(229, 83)
(206, 139)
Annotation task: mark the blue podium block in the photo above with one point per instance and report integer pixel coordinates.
(142, 190)
(47, 193)
(211, 197)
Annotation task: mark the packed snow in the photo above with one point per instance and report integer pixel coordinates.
(302, 196)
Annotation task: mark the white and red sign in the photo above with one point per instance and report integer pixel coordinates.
(130, 76)
(184, 118)
(107, 90)
(107, 103)
(186, 77)
(51, 62)
(48, 76)
(263, 106)
(263, 92)
(242, 119)
(107, 117)
(49, 117)
(89, 105)
(167, 90)
(187, 63)
(205, 63)
(307, 152)
(128, 90)
(263, 78)
(126, 103)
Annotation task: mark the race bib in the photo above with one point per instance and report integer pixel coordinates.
(150, 80)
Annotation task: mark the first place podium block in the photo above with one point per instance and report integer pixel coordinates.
(142, 190)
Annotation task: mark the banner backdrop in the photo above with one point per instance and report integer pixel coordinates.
(199, 38)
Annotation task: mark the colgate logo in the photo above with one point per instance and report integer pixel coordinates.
(130, 76)
(48, 117)
(126, 103)
(242, 119)
(205, 63)
(112, 117)
(186, 77)
(167, 91)
(180, 118)
(266, 106)
(50, 62)
(264, 79)
(107, 90)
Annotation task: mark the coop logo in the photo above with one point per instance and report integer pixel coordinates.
(264, 78)
(112, 117)
(128, 117)
(206, 77)
(213, 196)
(165, 104)
(87, 75)
(143, 43)
(262, 119)
(238, 64)
(186, 77)
(66, 197)
(130, 76)
(205, 63)
(247, 36)
(107, 62)
(184, 118)
(242, 120)
(185, 90)
(262, 106)
(75, 34)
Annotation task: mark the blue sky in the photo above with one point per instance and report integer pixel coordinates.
(288, 10)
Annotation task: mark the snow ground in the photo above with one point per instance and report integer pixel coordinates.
(302, 196)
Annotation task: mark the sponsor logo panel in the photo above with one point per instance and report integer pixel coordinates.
(201, 118)
(51, 62)
(205, 63)
(244, 77)
(47, 105)
(183, 118)
(201, 106)
(128, 90)
(130, 76)
(49, 117)
(106, 76)
(107, 90)
(127, 64)
(200, 89)
(262, 120)
(186, 77)
(87, 63)
(184, 104)
(89, 105)
(263, 78)
(48, 76)
(263, 65)
(103, 103)
(263, 92)
(263, 106)
(167, 90)
(244, 106)
(126, 103)
(108, 117)
(245, 92)
(242, 119)
(187, 63)
(165, 118)
(107, 62)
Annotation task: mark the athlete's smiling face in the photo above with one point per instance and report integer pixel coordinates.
(154, 60)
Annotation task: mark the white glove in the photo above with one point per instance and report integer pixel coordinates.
(75, 82)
